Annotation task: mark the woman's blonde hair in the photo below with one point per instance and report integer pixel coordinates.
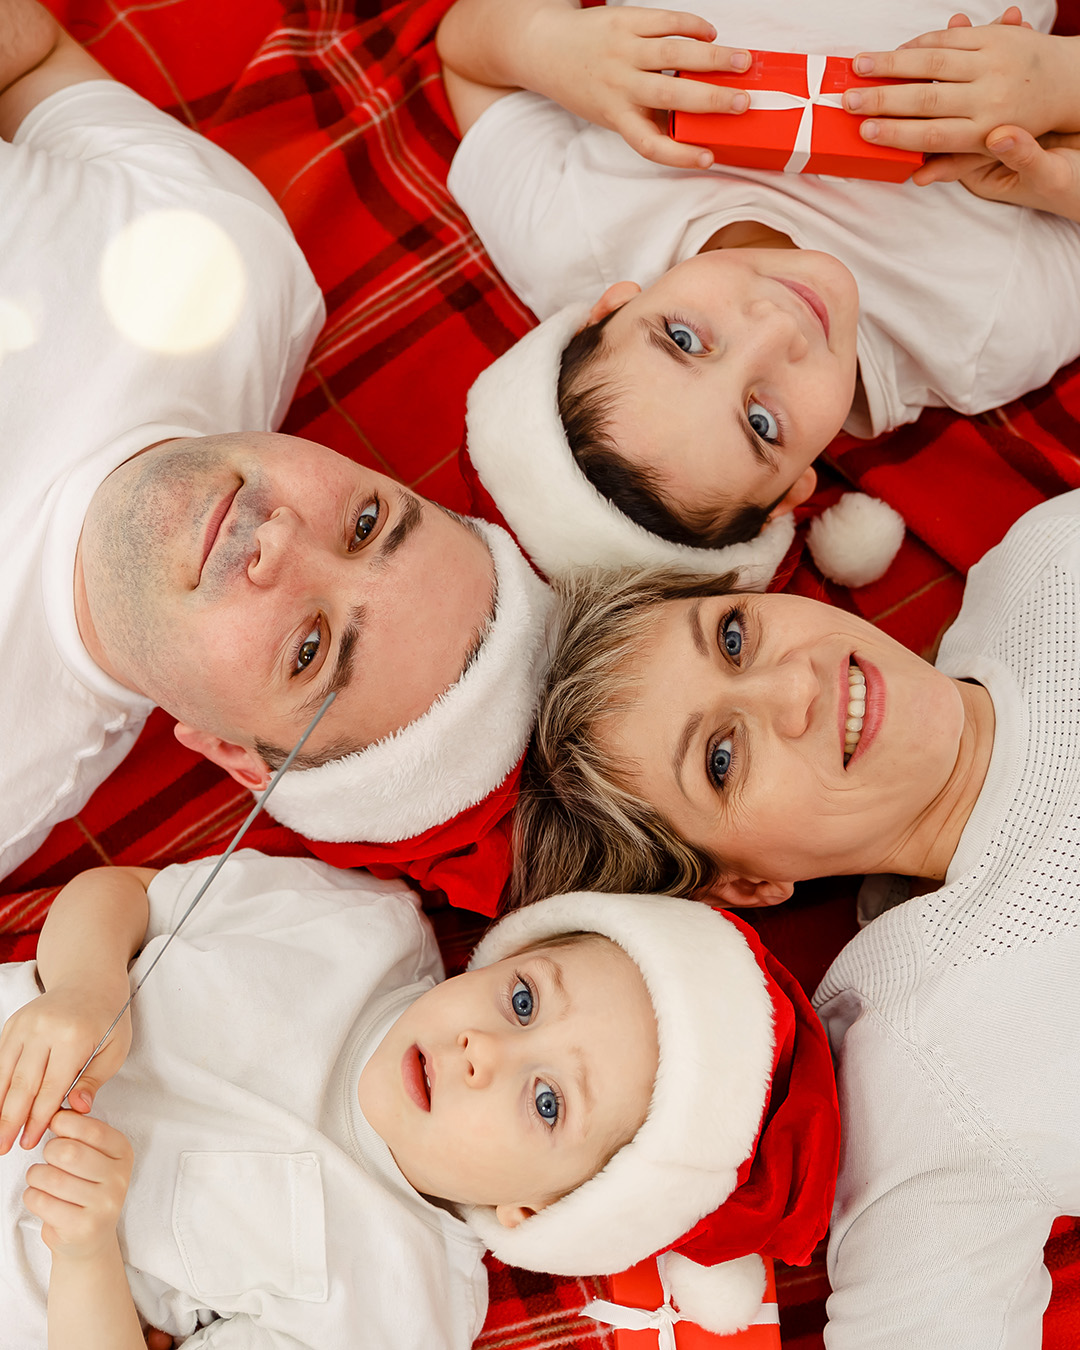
(577, 827)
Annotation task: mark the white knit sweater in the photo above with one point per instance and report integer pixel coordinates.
(955, 1018)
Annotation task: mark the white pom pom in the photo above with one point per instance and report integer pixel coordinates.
(854, 541)
(724, 1298)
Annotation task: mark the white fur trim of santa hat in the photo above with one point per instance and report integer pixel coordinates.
(714, 1017)
(457, 752)
(518, 446)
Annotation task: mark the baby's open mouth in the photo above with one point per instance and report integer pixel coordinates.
(856, 710)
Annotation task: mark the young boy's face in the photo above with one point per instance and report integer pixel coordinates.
(510, 1085)
(731, 374)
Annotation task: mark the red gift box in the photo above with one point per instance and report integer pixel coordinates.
(795, 121)
(644, 1320)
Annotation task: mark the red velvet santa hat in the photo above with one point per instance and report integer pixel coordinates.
(739, 1151)
(456, 754)
(517, 443)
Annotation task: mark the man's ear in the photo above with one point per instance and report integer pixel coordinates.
(612, 298)
(511, 1215)
(244, 765)
(744, 893)
(802, 488)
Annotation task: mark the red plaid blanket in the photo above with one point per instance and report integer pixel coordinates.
(339, 108)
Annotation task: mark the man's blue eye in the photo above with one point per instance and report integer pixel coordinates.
(719, 761)
(521, 1000)
(762, 422)
(684, 338)
(547, 1103)
(732, 635)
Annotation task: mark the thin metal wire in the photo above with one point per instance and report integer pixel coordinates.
(260, 802)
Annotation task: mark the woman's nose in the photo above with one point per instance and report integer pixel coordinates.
(790, 688)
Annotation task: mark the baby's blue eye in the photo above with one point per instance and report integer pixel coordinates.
(366, 521)
(719, 761)
(732, 635)
(685, 338)
(547, 1103)
(763, 423)
(521, 1000)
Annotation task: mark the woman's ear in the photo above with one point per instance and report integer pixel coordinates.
(744, 893)
(797, 493)
(612, 298)
(238, 762)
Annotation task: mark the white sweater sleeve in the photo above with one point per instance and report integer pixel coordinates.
(938, 1232)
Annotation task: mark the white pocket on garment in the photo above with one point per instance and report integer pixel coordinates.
(251, 1221)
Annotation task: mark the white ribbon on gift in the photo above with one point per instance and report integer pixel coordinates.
(662, 1320)
(776, 100)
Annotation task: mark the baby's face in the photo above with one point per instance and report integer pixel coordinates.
(732, 373)
(509, 1086)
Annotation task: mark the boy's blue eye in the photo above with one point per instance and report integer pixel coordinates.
(521, 1000)
(719, 761)
(762, 422)
(547, 1103)
(684, 338)
(731, 635)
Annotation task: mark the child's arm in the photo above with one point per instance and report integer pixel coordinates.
(96, 925)
(78, 1193)
(37, 58)
(1002, 74)
(604, 65)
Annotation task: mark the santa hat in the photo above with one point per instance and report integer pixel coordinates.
(518, 445)
(455, 754)
(739, 1150)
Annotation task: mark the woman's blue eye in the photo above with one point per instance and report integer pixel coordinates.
(366, 521)
(762, 422)
(684, 338)
(308, 650)
(521, 1000)
(732, 635)
(547, 1103)
(719, 761)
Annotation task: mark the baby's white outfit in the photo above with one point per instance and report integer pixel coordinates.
(264, 1212)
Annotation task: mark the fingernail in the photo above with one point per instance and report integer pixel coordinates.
(864, 65)
(1004, 145)
(869, 131)
(740, 103)
(84, 1099)
(853, 100)
(740, 60)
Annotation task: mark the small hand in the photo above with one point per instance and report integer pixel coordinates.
(1043, 174)
(976, 79)
(606, 65)
(78, 1190)
(44, 1045)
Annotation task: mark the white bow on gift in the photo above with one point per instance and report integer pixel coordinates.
(775, 100)
(662, 1320)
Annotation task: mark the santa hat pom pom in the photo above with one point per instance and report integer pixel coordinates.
(854, 541)
(722, 1299)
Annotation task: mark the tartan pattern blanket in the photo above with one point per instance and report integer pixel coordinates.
(337, 105)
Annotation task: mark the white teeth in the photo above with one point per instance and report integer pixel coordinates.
(856, 710)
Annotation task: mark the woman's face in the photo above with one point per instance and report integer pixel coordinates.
(740, 736)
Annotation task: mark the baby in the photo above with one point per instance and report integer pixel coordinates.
(708, 331)
(322, 1139)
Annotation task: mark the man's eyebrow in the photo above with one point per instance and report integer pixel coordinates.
(657, 337)
(410, 515)
(341, 672)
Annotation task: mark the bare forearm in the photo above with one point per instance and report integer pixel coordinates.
(90, 1304)
(490, 42)
(96, 925)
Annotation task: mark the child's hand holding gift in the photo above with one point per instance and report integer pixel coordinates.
(78, 1190)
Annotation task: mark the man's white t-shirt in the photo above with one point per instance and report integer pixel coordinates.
(263, 1210)
(149, 287)
(964, 303)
